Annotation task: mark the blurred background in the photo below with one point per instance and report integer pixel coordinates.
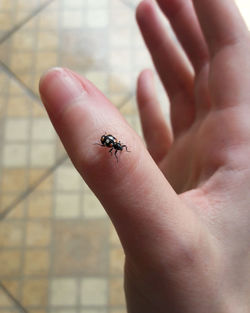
(58, 251)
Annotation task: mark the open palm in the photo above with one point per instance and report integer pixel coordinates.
(183, 218)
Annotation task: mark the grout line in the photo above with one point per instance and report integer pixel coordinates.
(16, 302)
(12, 75)
(32, 188)
(24, 21)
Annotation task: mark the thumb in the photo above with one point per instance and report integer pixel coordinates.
(142, 205)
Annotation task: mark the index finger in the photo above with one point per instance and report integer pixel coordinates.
(134, 192)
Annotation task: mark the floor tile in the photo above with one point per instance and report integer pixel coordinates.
(92, 208)
(80, 248)
(4, 300)
(63, 292)
(28, 141)
(67, 205)
(68, 179)
(38, 233)
(100, 44)
(39, 205)
(94, 291)
(36, 262)
(116, 292)
(10, 261)
(116, 261)
(117, 310)
(9, 18)
(93, 311)
(58, 250)
(11, 234)
(35, 292)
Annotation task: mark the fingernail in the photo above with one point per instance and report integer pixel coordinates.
(58, 88)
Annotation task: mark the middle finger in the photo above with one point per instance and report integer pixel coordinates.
(184, 21)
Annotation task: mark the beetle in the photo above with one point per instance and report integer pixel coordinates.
(111, 142)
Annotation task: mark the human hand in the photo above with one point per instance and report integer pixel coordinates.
(184, 224)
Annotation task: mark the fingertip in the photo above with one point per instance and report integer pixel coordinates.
(46, 76)
(142, 10)
(145, 87)
(145, 76)
(58, 89)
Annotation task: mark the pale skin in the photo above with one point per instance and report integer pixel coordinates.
(181, 206)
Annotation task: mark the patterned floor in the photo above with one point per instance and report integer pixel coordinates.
(58, 251)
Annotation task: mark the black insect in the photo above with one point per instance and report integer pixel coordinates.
(111, 142)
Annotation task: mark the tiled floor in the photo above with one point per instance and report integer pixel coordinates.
(58, 250)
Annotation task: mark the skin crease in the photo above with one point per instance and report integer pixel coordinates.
(183, 219)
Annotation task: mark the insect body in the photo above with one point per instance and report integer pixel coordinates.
(111, 142)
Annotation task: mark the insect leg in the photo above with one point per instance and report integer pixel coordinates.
(116, 155)
(111, 150)
(124, 146)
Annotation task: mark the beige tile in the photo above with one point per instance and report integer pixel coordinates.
(22, 61)
(92, 208)
(36, 262)
(117, 260)
(15, 155)
(113, 237)
(11, 234)
(38, 110)
(6, 5)
(116, 292)
(24, 41)
(42, 155)
(117, 84)
(45, 60)
(68, 179)
(38, 234)
(12, 285)
(63, 292)
(80, 248)
(5, 300)
(86, 26)
(118, 310)
(17, 106)
(39, 205)
(10, 262)
(5, 21)
(49, 21)
(100, 79)
(94, 291)
(129, 108)
(34, 176)
(7, 200)
(121, 37)
(97, 5)
(72, 19)
(73, 4)
(93, 311)
(42, 129)
(97, 18)
(63, 310)
(67, 205)
(35, 292)
(16, 129)
(120, 61)
(38, 310)
(14, 179)
(48, 41)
